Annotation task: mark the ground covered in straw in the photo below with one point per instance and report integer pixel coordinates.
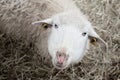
(20, 61)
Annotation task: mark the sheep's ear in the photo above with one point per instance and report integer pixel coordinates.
(95, 40)
(47, 23)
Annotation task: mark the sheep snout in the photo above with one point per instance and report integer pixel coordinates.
(61, 59)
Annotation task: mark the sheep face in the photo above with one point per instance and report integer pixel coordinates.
(66, 45)
(68, 40)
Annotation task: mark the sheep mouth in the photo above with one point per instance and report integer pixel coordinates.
(58, 66)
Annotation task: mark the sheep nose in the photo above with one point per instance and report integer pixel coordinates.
(61, 57)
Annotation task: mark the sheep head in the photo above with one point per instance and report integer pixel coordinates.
(69, 39)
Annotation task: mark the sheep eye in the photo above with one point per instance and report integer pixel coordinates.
(56, 26)
(84, 33)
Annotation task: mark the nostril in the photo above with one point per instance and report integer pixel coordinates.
(59, 54)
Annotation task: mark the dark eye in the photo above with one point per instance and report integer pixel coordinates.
(56, 26)
(84, 33)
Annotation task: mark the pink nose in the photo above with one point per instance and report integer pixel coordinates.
(61, 60)
(61, 56)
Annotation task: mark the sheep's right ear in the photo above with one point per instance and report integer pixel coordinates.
(47, 23)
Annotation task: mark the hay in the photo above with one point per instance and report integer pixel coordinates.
(19, 60)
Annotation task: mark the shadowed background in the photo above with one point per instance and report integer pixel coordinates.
(19, 60)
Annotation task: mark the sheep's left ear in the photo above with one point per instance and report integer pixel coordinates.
(47, 23)
(95, 39)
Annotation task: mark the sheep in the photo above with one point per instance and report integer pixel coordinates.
(58, 28)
